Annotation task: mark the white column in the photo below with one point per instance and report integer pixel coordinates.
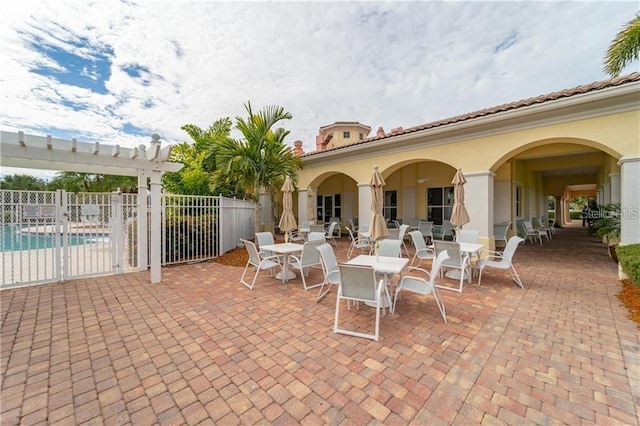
(615, 187)
(531, 202)
(143, 223)
(303, 195)
(364, 203)
(502, 205)
(266, 213)
(478, 199)
(156, 227)
(606, 193)
(600, 196)
(630, 200)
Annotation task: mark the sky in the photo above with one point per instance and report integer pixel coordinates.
(116, 72)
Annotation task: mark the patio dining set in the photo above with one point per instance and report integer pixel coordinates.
(383, 269)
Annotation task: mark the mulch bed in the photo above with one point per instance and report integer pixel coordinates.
(630, 297)
(235, 257)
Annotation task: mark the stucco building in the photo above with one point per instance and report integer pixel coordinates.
(583, 140)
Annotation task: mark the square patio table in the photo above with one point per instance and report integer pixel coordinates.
(284, 249)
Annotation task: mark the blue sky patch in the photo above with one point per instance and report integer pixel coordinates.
(134, 130)
(78, 62)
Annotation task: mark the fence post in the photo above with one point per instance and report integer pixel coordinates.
(117, 232)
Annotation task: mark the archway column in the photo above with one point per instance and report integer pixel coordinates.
(364, 203)
(478, 199)
(615, 187)
(629, 200)
(303, 195)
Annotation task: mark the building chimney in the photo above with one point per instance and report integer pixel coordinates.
(297, 150)
(380, 132)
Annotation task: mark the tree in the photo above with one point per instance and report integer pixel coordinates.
(624, 49)
(260, 159)
(199, 162)
(91, 182)
(22, 182)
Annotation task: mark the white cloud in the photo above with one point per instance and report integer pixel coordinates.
(384, 64)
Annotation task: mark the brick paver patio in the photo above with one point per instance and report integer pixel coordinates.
(200, 348)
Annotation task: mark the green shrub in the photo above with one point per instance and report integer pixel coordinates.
(189, 237)
(629, 258)
(575, 214)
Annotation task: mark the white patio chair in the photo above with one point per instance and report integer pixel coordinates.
(262, 239)
(295, 237)
(390, 248)
(502, 260)
(468, 236)
(422, 251)
(426, 229)
(456, 261)
(358, 284)
(329, 269)
(401, 233)
(444, 231)
(316, 236)
(316, 228)
(309, 258)
(529, 232)
(500, 231)
(358, 243)
(258, 263)
(540, 226)
(422, 286)
(352, 225)
(329, 234)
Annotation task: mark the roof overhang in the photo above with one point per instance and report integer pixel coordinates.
(611, 100)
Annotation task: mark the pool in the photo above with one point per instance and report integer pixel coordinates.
(14, 240)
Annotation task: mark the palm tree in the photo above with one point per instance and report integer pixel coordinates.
(260, 159)
(624, 48)
(22, 182)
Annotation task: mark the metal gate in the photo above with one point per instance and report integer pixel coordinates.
(54, 236)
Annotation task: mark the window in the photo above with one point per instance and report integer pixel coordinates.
(518, 200)
(360, 136)
(329, 206)
(439, 204)
(346, 135)
(390, 208)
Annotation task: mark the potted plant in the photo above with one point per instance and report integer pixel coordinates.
(608, 227)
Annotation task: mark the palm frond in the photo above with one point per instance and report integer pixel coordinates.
(624, 49)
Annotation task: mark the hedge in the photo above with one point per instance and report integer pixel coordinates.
(629, 258)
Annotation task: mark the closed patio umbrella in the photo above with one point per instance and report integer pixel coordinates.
(311, 205)
(287, 220)
(459, 215)
(378, 227)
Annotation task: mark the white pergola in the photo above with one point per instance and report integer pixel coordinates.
(39, 152)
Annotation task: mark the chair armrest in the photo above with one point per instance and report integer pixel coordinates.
(416, 268)
(494, 255)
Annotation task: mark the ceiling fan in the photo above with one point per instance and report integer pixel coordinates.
(423, 179)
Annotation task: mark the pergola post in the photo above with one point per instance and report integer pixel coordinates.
(156, 227)
(143, 214)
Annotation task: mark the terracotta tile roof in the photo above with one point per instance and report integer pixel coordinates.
(598, 85)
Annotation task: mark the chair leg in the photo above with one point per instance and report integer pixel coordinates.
(515, 276)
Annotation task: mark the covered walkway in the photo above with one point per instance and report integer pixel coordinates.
(200, 348)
